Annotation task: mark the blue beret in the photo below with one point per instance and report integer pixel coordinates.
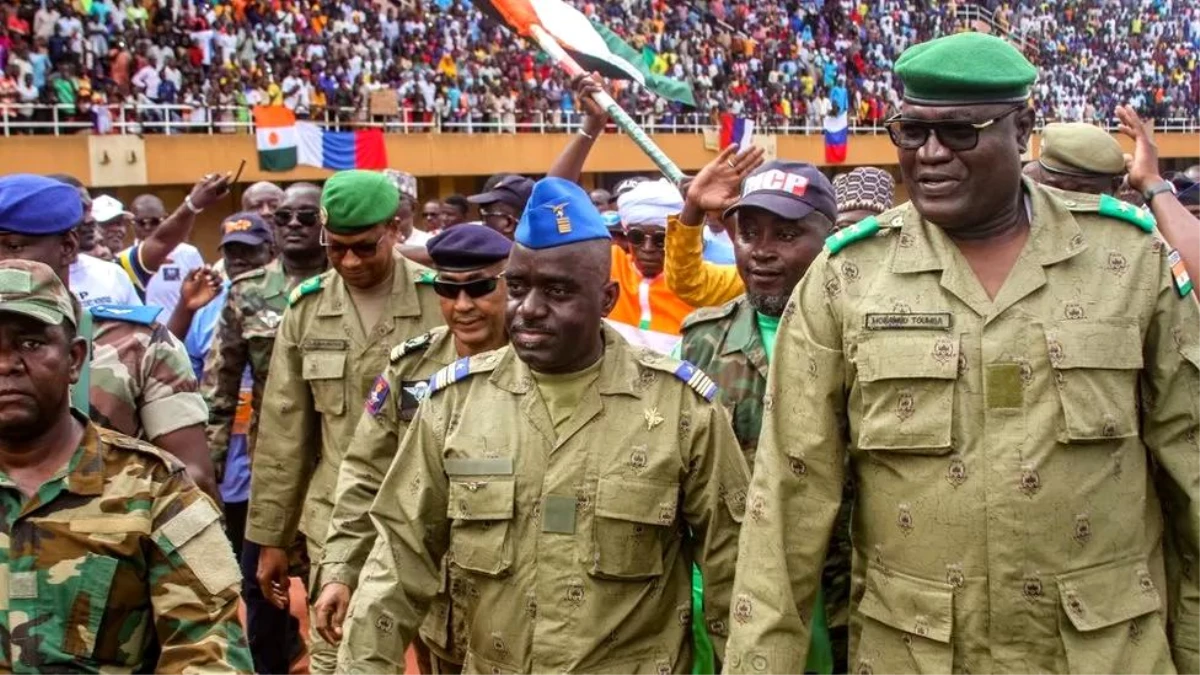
(38, 206)
(467, 247)
(559, 212)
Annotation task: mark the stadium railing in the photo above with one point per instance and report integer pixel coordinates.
(58, 120)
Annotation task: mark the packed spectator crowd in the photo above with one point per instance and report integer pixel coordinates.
(782, 60)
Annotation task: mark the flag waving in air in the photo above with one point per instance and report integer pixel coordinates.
(592, 45)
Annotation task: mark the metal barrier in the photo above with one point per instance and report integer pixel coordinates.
(57, 120)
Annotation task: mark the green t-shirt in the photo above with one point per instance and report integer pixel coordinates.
(767, 327)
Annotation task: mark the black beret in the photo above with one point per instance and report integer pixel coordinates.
(467, 247)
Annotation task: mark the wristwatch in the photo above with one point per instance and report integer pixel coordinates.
(1157, 189)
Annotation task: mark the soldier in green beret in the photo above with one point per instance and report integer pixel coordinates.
(332, 342)
(1009, 375)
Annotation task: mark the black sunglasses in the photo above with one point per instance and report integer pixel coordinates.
(149, 222)
(306, 217)
(957, 136)
(473, 289)
(639, 237)
(362, 250)
(495, 214)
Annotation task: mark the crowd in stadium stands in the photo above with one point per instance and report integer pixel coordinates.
(775, 60)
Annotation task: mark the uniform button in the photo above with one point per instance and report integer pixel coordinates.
(1071, 203)
(759, 662)
(1032, 588)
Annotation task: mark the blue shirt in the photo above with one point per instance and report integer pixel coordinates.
(718, 249)
(235, 487)
(41, 64)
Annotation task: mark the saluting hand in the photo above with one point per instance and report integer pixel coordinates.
(1142, 166)
(719, 184)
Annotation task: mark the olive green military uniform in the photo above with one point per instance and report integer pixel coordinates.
(322, 370)
(245, 336)
(391, 405)
(1016, 459)
(725, 342)
(572, 548)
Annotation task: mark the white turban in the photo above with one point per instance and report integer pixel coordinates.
(650, 203)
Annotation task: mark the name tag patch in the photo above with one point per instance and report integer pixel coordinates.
(910, 321)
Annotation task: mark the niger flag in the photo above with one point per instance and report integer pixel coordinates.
(276, 137)
(590, 43)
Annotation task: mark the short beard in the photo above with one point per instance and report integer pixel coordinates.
(771, 305)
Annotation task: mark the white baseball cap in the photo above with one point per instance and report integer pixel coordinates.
(105, 208)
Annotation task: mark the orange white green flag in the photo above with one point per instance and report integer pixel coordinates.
(275, 131)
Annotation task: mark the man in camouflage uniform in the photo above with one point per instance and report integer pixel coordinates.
(1011, 376)
(784, 213)
(139, 381)
(570, 479)
(469, 260)
(244, 340)
(112, 560)
(332, 342)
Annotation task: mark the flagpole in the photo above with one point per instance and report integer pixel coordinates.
(618, 115)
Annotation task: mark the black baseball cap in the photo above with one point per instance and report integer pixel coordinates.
(790, 190)
(246, 227)
(513, 190)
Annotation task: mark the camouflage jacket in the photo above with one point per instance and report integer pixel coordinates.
(117, 563)
(322, 369)
(141, 380)
(245, 336)
(726, 344)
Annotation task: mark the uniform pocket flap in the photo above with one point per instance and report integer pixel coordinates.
(906, 603)
(637, 501)
(324, 366)
(1098, 597)
(481, 500)
(897, 357)
(1111, 344)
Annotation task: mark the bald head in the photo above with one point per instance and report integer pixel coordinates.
(262, 198)
(148, 213)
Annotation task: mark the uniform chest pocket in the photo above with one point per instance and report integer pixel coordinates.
(324, 372)
(907, 387)
(76, 593)
(1096, 366)
(633, 518)
(482, 513)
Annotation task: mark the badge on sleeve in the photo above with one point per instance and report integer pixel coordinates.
(411, 395)
(378, 395)
(1183, 282)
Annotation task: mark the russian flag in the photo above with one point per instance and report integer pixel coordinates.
(340, 150)
(736, 131)
(836, 136)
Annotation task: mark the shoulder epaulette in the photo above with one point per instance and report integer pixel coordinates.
(252, 274)
(307, 287)
(461, 370)
(696, 379)
(705, 314)
(144, 315)
(110, 437)
(424, 276)
(863, 229)
(411, 345)
(1121, 210)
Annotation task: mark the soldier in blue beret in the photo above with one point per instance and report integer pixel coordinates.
(138, 379)
(469, 260)
(1010, 375)
(331, 344)
(573, 478)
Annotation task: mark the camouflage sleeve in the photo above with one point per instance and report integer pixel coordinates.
(714, 499)
(364, 465)
(1171, 388)
(796, 489)
(169, 400)
(289, 443)
(412, 535)
(194, 583)
(223, 368)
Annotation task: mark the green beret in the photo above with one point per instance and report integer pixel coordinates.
(353, 201)
(965, 68)
(1080, 149)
